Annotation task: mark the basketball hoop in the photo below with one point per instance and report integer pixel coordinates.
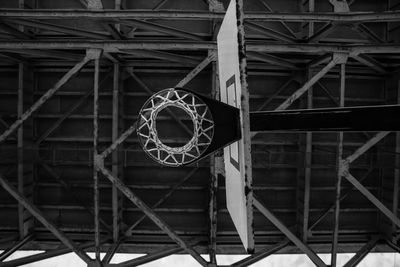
(200, 115)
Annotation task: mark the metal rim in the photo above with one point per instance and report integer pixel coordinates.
(203, 127)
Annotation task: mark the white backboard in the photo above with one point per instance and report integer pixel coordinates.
(234, 158)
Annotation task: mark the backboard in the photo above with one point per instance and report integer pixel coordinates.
(237, 157)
